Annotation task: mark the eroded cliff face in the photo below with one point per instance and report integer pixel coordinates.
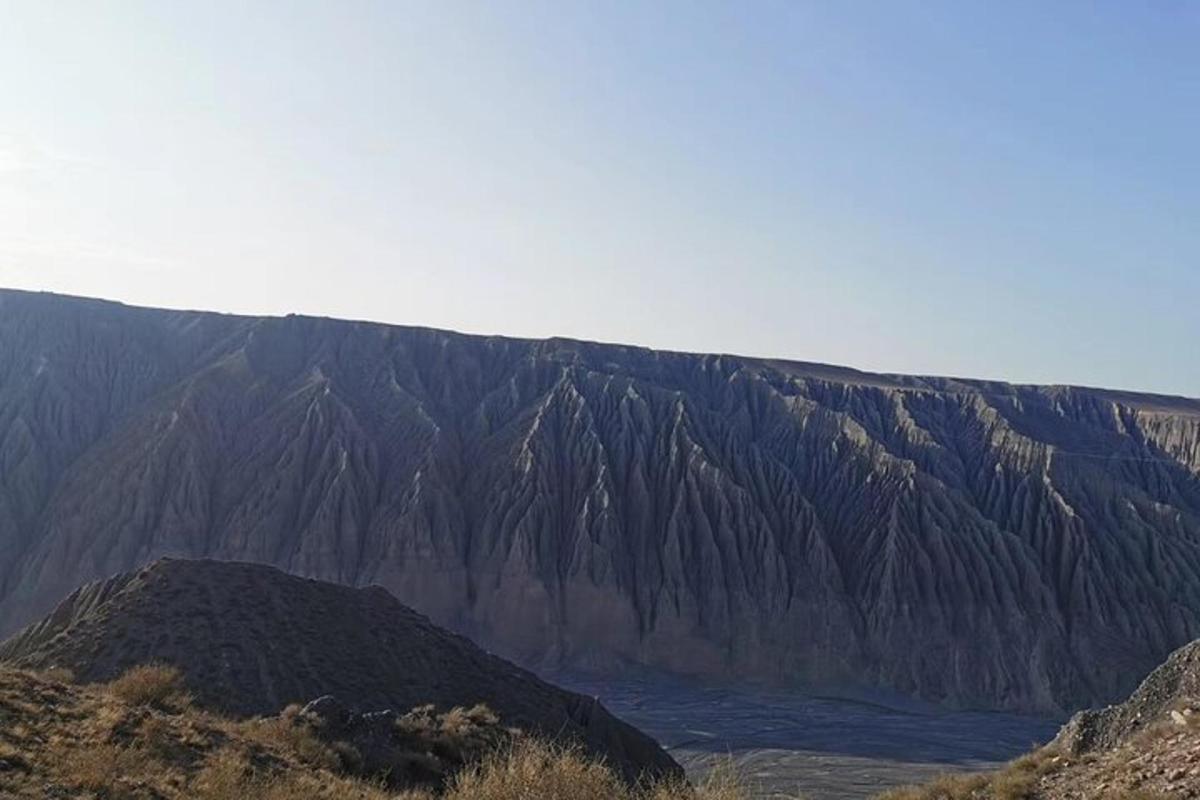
(1032, 548)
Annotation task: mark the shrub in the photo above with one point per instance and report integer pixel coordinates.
(532, 770)
(289, 733)
(157, 738)
(944, 787)
(58, 675)
(1014, 785)
(1039, 762)
(156, 685)
(462, 721)
(99, 767)
(230, 775)
(721, 783)
(535, 770)
(226, 777)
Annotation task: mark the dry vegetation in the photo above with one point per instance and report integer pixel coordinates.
(1017, 782)
(532, 770)
(140, 737)
(1161, 764)
(155, 685)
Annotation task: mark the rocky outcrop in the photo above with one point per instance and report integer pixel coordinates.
(1146, 747)
(1170, 694)
(249, 640)
(418, 748)
(569, 503)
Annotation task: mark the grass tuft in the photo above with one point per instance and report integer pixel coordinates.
(532, 770)
(155, 685)
(58, 675)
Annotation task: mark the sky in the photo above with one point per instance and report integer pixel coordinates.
(997, 190)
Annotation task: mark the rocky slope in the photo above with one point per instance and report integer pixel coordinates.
(1169, 694)
(1145, 748)
(1033, 548)
(1150, 743)
(249, 639)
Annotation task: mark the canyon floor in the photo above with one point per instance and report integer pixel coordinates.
(788, 744)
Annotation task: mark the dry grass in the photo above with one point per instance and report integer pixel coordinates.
(722, 783)
(463, 720)
(231, 775)
(284, 733)
(1018, 781)
(1047, 773)
(1010, 785)
(155, 685)
(945, 787)
(136, 738)
(58, 675)
(100, 767)
(536, 771)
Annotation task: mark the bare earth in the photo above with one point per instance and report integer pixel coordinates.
(788, 745)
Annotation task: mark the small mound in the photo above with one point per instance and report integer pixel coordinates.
(250, 640)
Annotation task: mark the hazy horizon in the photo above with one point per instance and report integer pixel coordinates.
(1005, 193)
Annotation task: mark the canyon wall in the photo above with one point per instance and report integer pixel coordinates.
(575, 504)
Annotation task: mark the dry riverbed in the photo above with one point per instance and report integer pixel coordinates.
(788, 744)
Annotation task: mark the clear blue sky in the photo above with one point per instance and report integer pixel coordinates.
(1004, 190)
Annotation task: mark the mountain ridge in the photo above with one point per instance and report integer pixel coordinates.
(839, 373)
(973, 543)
